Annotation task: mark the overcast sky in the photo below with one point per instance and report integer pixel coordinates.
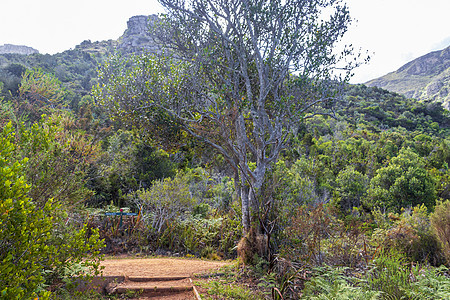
(394, 31)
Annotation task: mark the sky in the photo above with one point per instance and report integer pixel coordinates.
(392, 31)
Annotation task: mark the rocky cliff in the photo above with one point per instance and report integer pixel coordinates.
(14, 49)
(136, 37)
(427, 77)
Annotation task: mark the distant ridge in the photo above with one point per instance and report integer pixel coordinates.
(17, 49)
(424, 78)
(137, 38)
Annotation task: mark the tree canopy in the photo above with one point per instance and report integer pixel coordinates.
(237, 75)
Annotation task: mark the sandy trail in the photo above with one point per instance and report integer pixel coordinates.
(157, 267)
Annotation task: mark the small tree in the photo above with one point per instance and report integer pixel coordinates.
(39, 93)
(403, 183)
(244, 74)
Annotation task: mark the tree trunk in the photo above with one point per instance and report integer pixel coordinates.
(245, 206)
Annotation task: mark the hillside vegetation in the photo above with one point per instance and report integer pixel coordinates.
(425, 78)
(356, 206)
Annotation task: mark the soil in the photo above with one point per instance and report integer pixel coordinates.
(164, 272)
(157, 267)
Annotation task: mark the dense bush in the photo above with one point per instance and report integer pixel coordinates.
(403, 183)
(36, 247)
(440, 222)
(410, 233)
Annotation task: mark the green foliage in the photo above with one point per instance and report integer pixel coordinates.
(227, 286)
(76, 69)
(296, 185)
(440, 222)
(166, 200)
(211, 238)
(37, 245)
(178, 217)
(24, 230)
(331, 283)
(59, 158)
(383, 109)
(398, 280)
(388, 278)
(403, 183)
(409, 233)
(39, 93)
(429, 283)
(390, 275)
(351, 186)
(127, 165)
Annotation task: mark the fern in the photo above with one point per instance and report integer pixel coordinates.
(430, 284)
(333, 284)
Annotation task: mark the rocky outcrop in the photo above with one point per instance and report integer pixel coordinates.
(14, 49)
(425, 78)
(137, 37)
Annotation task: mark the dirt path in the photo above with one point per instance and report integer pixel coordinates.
(157, 278)
(157, 267)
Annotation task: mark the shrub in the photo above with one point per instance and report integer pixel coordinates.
(165, 201)
(36, 247)
(403, 183)
(24, 229)
(410, 233)
(304, 238)
(429, 283)
(440, 222)
(397, 279)
(351, 187)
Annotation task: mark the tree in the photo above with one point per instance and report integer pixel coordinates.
(403, 183)
(351, 186)
(241, 77)
(39, 93)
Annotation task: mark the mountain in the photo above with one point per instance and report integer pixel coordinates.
(136, 37)
(75, 68)
(425, 78)
(14, 49)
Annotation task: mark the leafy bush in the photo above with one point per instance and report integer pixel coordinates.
(429, 283)
(410, 233)
(58, 159)
(24, 230)
(177, 216)
(440, 222)
(165, 201)
(397, 279)
(36, 247)
(351, 187)
(403, 183)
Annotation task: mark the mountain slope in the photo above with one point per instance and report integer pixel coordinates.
(427, 77)
(14, 49)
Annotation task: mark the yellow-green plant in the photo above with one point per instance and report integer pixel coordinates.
(36, 247)
(24, 230)
(440, 221)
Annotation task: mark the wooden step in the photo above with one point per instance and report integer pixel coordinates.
(155, 287)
